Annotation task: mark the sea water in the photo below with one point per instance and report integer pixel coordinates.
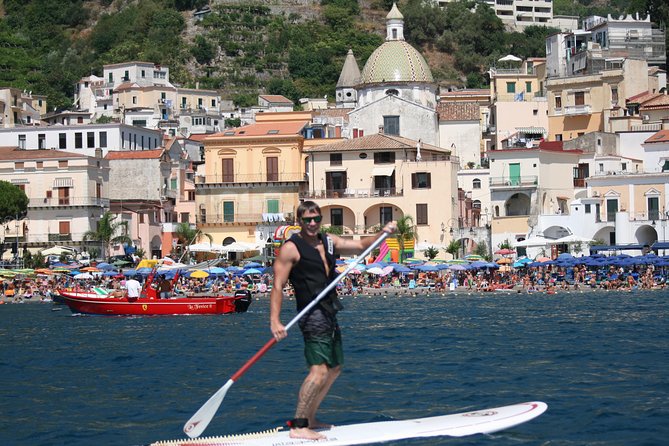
(600, 360)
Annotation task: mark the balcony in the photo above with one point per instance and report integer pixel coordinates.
(504, 182)
(60, 238)
(573, 110)
(67, 201)
(579, 182)
(280, 177)
(352, 193)
(234, 219)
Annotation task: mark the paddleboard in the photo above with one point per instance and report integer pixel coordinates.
(456, 425)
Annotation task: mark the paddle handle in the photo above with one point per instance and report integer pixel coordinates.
(259, 354)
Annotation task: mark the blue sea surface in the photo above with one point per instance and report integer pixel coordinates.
(600, 360)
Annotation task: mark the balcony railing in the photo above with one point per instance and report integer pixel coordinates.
(252, 178)
(68, 201)
(576, 110)
(60, 237)
(240, 218)
(353, 193)
(530, 180)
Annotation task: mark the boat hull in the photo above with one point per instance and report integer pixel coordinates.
(90, 303)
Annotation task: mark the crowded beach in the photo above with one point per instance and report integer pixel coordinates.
(563, 274)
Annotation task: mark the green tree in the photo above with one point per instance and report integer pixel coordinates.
(13, 202)
(406, 231)
(431, 252)
(482, 250)
(109, 232)
(453, 248)
(187, 235)
(203, 51)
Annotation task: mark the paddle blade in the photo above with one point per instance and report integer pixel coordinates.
(199, 422)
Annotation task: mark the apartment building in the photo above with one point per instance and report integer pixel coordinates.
(20, 108)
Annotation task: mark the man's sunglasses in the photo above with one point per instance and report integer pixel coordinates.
(307, 220)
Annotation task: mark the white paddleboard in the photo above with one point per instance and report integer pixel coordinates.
(457, 425)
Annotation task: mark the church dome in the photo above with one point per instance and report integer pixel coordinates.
(396, 61)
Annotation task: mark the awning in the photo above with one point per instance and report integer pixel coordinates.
(532, 130)
(383, 171)
(63, 182)
(19, 181)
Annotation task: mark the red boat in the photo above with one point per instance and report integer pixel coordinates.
(92, 303)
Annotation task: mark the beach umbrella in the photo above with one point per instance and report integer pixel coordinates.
(251, 271)
(90, 269)
(217, 270)
(473, 257)
(110, 274)
(398, 268)
(505, 251)
(268, 270)
(83, 276)
(198, 274)
(457, 267)
(427, 268)
(504, 261)
(479, 264)
(252, 265)
(104, 266)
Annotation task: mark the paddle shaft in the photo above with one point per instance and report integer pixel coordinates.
(308, 308)
(200, 420)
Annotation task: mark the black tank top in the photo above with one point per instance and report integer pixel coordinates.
(308, 276)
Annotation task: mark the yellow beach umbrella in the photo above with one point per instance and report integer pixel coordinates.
(199, 274)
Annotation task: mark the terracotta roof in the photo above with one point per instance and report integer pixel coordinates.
(333, 112)
(274, 98)
(378, 141)
(466, 92)
(198, 137)
(126, 86)
(14, 153)
(661, 136)
(659, 101)
(641, 97)
(459, 111)
(263, 128)
(134, 154)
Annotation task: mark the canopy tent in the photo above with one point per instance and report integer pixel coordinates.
(239, 247)
(510, 58)
(532, 241)
(58, 251)
(569, 239)
(205, 247)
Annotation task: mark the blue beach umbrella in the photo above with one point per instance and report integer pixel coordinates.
(252, 271)
(252, 265)
(427, 268)
(398, 268)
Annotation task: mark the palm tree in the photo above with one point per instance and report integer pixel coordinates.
(107, 232)
(186, 235)
(453, 248)
(405, 231)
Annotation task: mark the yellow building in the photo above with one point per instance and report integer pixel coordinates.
(252, 179)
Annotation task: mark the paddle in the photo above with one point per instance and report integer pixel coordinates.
(199, 422)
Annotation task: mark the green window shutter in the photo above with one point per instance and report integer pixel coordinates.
(173, 184)
(273, 206)
(228, 211)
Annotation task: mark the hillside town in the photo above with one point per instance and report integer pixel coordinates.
(567, 153)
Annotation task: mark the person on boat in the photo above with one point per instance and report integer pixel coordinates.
(165, 288)
(132, 287)
(307, 259)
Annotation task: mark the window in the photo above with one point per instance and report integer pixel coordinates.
(98, 190)
(110, 78)
(623, 166)
(579, 98)
(335, 159)
(213, 102)
(384, 157)
(22, 141)
(421, 180)
(134, 99)
(510, 87)
(385, 215)
(611, 209)
(558, 136)
(184, 217)
(272, 168)
(228, 211)
(614, 95)
(173, 183)
(228, 170)
(421, 213)
(476, 183)
(103, 139)
(203, 215)
(63, 196)
(62, 140)
(78, 140)
(143, 73)
(90, 140)
(528, 87)
(41, 141)
(64, 227)
(391, 125)
(337, 217)
(191, 195)
(653, 208)
(588, 208)
(273, 206)
(558, 102)
(601, 167)
(62, 163)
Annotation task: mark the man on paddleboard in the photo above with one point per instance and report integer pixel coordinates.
(308, 260)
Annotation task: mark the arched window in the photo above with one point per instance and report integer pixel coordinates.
(392, 92)
(476, 183)
(496, 211)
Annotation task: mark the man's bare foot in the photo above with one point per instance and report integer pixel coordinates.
(306, 433)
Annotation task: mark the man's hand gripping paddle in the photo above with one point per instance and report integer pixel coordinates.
(199, 422)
